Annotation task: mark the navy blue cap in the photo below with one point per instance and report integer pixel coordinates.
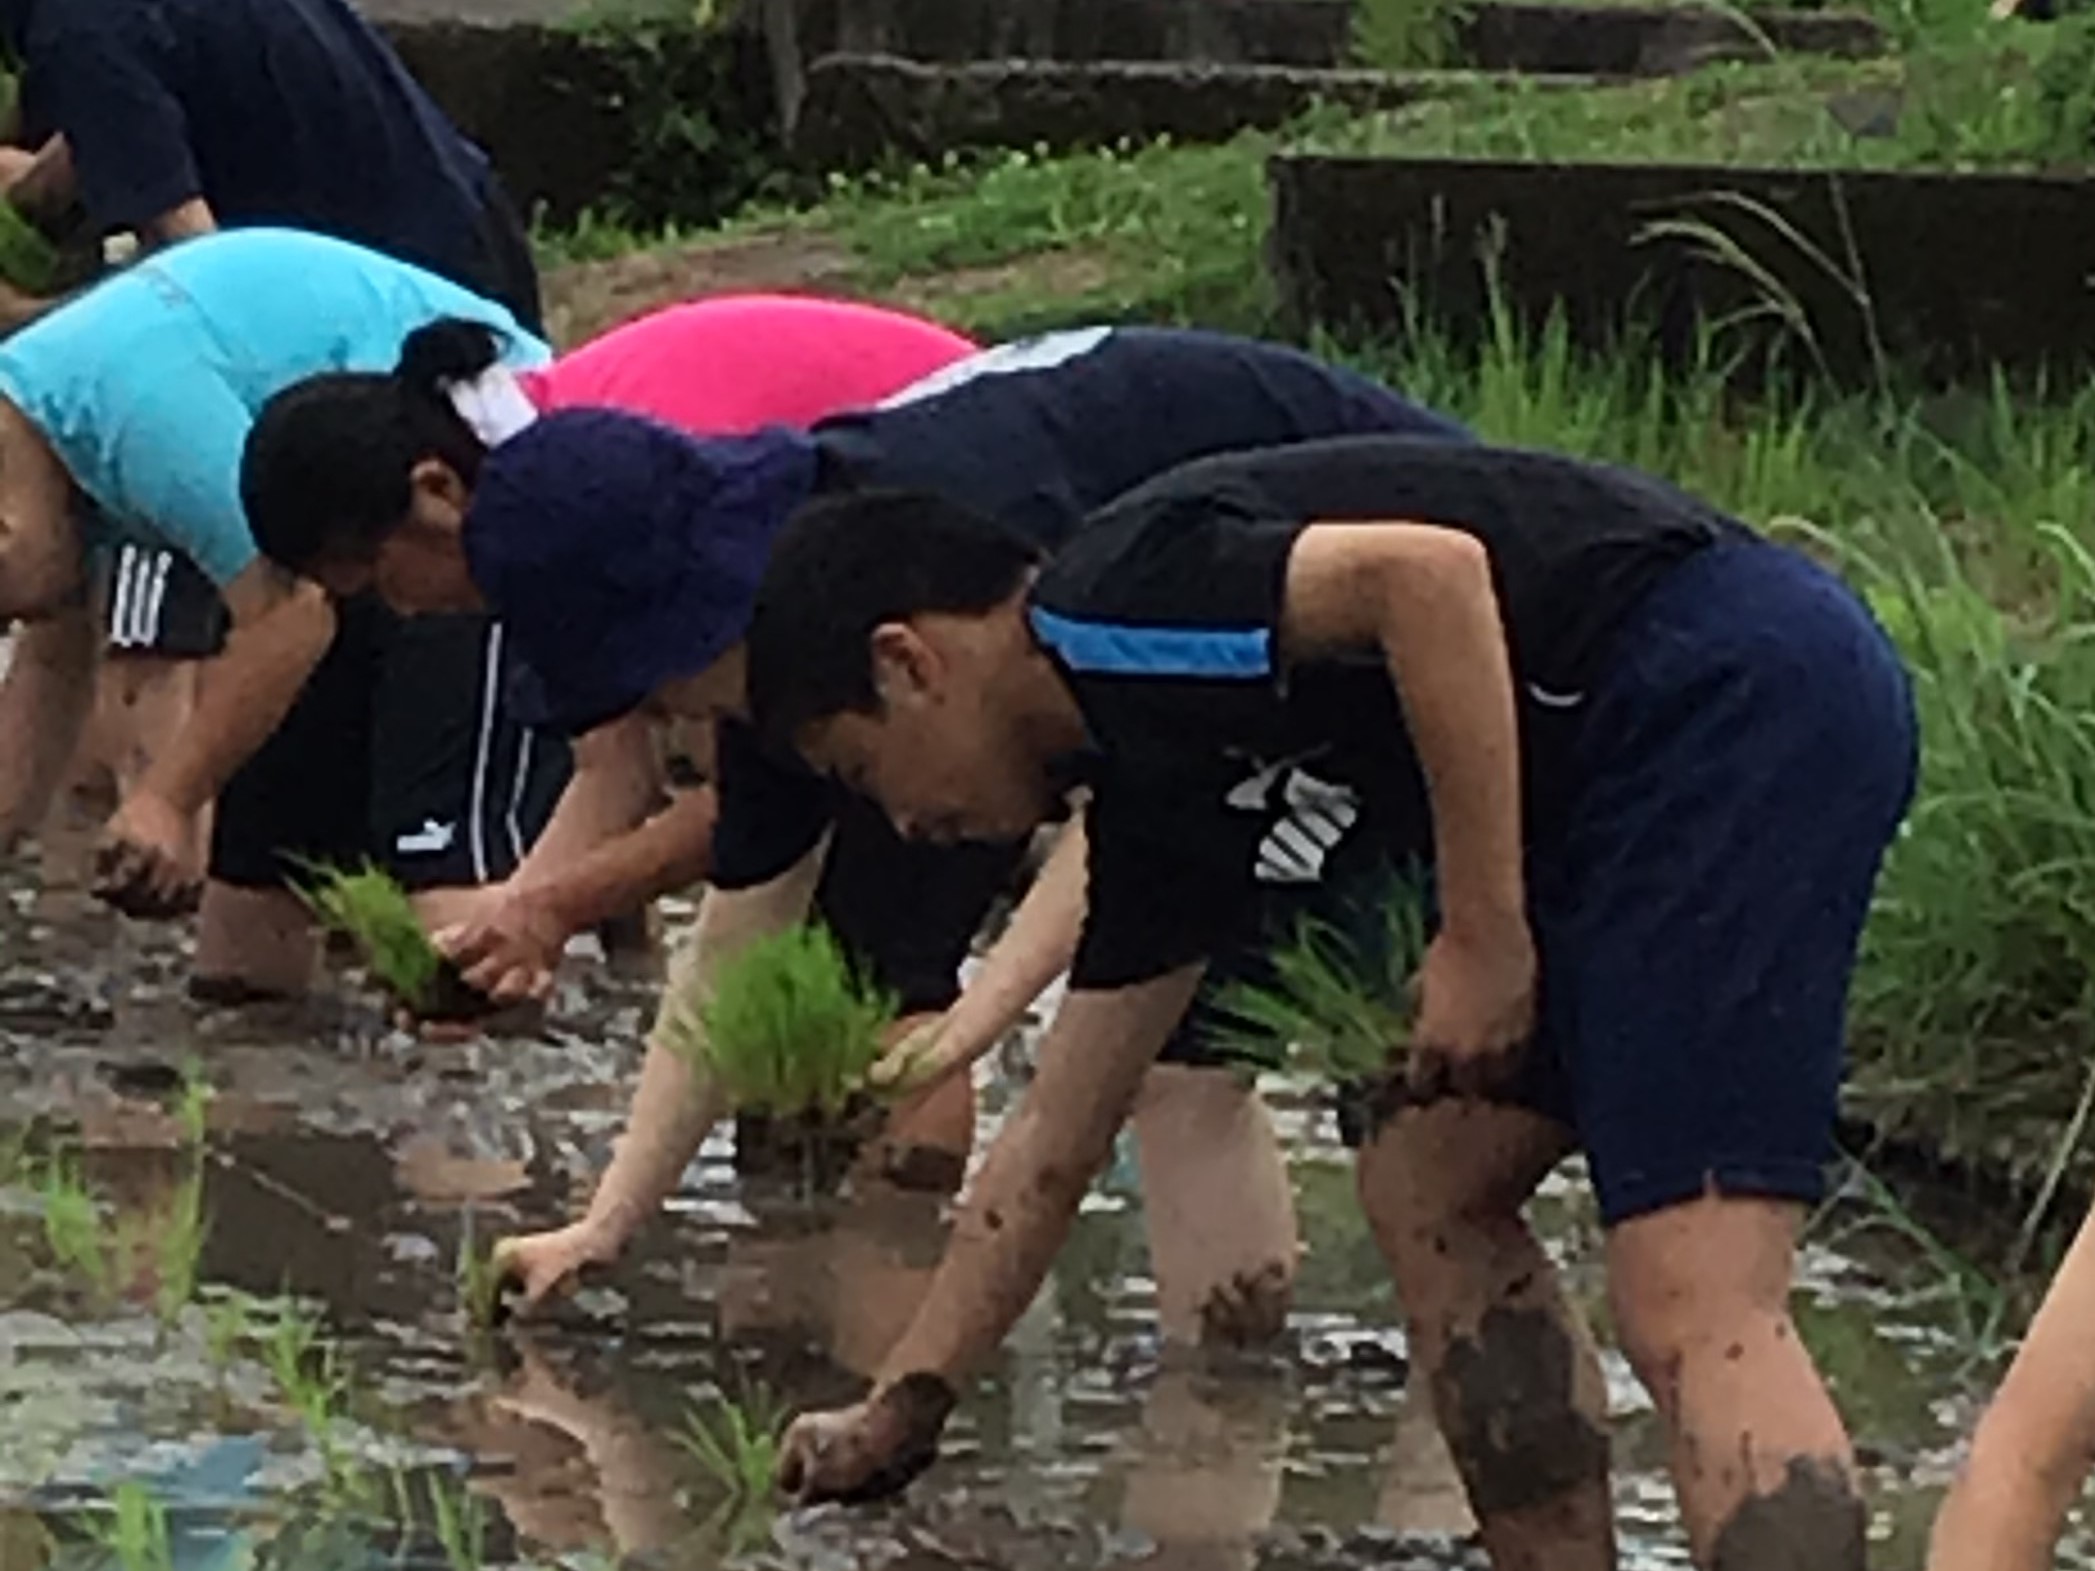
(621, 554)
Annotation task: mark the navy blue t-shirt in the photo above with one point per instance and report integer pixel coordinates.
(281, 112)
(1038, 434)
(1218, 765)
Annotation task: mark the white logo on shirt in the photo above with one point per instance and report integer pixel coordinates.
(431, 839)
(1550, 700)
(1027, 354)
(1311, 816)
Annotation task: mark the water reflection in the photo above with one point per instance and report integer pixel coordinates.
(347, 1166)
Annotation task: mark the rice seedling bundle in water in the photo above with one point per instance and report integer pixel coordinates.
(788, 1028)
(371, 909)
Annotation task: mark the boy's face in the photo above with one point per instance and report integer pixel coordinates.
(939, 752)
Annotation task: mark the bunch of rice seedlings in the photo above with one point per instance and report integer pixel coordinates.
(369, 907)
(27, 260)
(1333, 1006)
(787, 1027)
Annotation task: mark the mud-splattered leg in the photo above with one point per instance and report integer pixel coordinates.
(1701, 1299)
(1514, 1378)
(1221, 1216)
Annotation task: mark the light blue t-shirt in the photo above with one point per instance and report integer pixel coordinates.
(147, 384)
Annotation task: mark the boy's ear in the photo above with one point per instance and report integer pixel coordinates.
(437, 481)
(903, 664)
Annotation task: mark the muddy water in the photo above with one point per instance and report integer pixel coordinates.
(346, 1163)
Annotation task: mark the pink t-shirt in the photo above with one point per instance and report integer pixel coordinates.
(735, 363)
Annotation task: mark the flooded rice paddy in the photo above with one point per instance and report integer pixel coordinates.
(316, 1398)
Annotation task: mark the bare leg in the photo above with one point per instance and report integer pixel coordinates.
(1763, 1467)
(1205, 1480)
(252, 941)
(1220, 1213)
(1514, 1377)
(1422, 1492)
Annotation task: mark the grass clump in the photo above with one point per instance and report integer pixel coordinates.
(787, 1027)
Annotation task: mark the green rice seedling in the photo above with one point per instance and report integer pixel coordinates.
(193, 1106)
(458, 1518)
(370, 908)
(229, 1323)
(479, 1282)
(28, 260)
(1333, 1005)
(738, 1443)
(75, 1232)
(135, 1534)
(787, 1029)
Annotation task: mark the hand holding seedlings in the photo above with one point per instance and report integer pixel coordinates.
(920, 1053)
(548, 1265)
(378, 916)
(511, 947)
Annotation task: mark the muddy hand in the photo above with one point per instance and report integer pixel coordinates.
(1476, 1012)
(510, 949)
(534, 1267)
(869, 1451)
(148, 863)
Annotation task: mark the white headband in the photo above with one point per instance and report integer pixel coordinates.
(493, 404)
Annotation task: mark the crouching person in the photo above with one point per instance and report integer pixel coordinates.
(1653, 761)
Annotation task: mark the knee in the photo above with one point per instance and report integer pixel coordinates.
(1440, 1196)
(1674, 1300)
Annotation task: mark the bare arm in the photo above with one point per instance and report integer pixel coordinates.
(1003, 1241)
(1015, 1220)
(1035, 948)
(673, 1106)
(2030, 1456)
(1423, 594)
(616, 784)
(183, 221)
(44, 701)
(280, 631)
(151, 860)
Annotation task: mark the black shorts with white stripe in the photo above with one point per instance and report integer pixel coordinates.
(400, 751)
(158, 602)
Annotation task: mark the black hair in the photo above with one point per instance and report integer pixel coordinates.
(845, 564)
(327, 473)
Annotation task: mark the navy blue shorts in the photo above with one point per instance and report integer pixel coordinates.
(1744, 761)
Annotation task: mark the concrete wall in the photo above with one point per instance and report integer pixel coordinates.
(858, 109)
(1959, 272)
(671, 123)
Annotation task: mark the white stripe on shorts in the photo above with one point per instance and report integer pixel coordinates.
(120, 599)
(490, 691)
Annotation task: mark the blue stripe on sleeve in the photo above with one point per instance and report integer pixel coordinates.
(1117, 649)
